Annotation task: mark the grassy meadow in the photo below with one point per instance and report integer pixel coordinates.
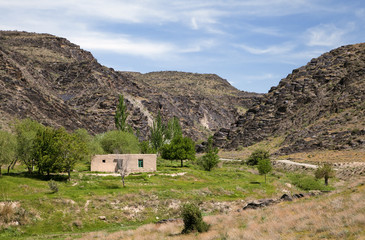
(90, 202)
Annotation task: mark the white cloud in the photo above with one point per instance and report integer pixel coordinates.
(123, 44)
(273, 50)
(194, 24)
(327, 35)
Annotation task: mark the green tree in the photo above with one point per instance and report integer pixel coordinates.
(71, 149)
(26, 131)
(264, 166)
(120, 117)
(7, 148)
(173, 129)
(192, 218)
(146, 147)
(325, 171)
(92, 143)
(210, 159)
(256, 156)
(180, 148)
(121, 142)
(157, 133)
(45, 151)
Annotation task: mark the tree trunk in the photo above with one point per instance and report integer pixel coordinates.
(123, 180)
(0, 171)
(69, 174)
(12, 164)
(182, 163)
(326, 181)
(265, 178)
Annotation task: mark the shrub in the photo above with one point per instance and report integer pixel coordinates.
(257, 155)
(193, 220)
(307, 183)
(53, 186)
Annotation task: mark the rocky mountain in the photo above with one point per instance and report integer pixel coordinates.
(317, 106)
(51, 80)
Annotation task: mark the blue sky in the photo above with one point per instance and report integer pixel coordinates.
(251, 43)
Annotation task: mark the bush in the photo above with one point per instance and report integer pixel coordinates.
(53, 186)
(193, 220)
(307, 183)
(256, 156)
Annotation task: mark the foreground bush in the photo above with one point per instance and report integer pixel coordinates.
(193, 220)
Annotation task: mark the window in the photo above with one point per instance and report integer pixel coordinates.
(103, 161)
(140, 163)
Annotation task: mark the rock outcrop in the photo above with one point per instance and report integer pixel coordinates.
(317, 106)
(53, 81)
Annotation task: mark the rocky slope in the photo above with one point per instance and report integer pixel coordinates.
(49, 79)
(317, 106)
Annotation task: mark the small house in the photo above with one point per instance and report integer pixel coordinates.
(127, 162)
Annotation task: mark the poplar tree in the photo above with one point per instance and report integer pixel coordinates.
(121, 115)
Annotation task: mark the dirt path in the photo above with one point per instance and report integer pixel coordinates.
(298, 164)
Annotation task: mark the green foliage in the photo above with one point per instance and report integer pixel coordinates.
(45, 151)
(307, 183)
(256, 156)
(193, 220)
(57, 150)
(7, 148)
(264, 167)
(211, 158)
(121, 142)
(146, 147)
(120, 118)
(173, 129)
(92, 143)
(71, 149)
(325, 171)
(26, 131)
(163, 133)
(157, 133)
(53, 186)
(180, 148)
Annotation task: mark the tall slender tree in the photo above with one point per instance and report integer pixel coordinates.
(121, 115)
(157, 133)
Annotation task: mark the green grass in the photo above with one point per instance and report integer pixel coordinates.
(76, 207)
(307, 183)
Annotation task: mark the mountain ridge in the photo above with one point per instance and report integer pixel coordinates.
(54, 81)
(318, 106)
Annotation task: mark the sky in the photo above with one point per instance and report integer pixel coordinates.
(253, 44)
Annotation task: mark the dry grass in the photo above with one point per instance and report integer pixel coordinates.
(334, 216)
(329, 156)
(271, 145)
